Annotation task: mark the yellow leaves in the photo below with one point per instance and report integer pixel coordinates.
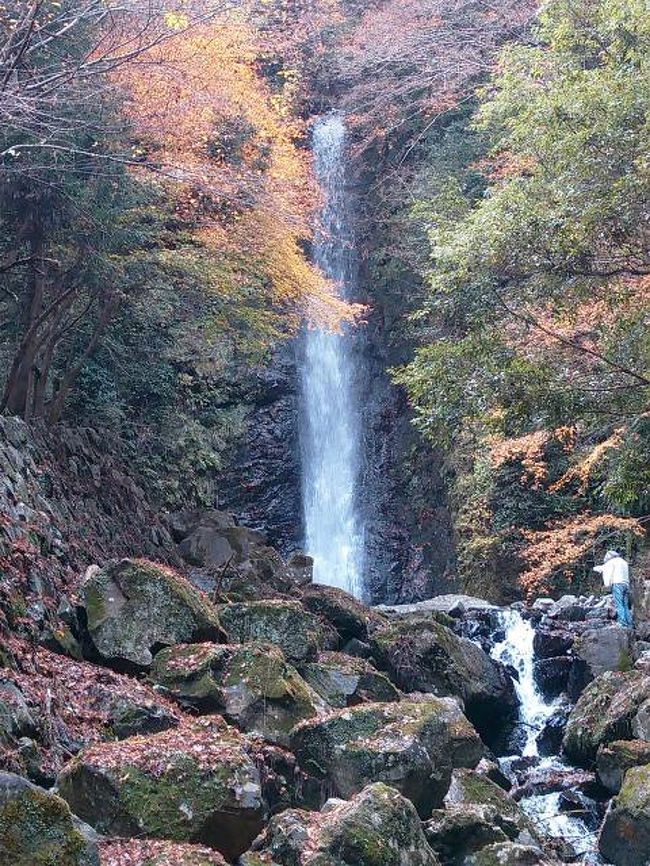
(176, 20)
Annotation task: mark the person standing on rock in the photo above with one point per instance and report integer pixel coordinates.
(616, 576)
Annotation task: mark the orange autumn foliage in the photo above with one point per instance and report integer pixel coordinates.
(555, 551)
(228, 150)
(529, 450)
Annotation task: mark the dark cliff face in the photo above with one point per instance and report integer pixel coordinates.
(409, 536)
(261, 484)
(401, 494)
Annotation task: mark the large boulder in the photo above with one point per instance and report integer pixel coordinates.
(625, 834)
(233, 560)
(605, 712)
(462, 829)
(424, 656)
(344, 681)
(134, 607)
(62, 705)
(604, 649)
(153, 852)
(412, 745)
(38, 829)
(468, 788)
(197, 783)
(615, 759)
(299, 633)
(251, 686)
(377, 827)
(349, 617)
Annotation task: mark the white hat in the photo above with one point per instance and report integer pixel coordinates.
(611, 554)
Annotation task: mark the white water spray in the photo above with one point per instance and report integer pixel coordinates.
(517, 650)
(331, 429)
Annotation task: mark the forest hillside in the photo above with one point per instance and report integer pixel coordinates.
(324, 433)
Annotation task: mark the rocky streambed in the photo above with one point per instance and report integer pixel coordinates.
(244, 715)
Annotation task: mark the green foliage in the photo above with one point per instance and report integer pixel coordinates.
(536, 312)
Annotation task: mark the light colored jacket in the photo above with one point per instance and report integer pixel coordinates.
(614, 571)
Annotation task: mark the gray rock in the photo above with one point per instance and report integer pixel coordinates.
(38, 827)
(625, 835)
(604, 713)
(419, 654)
(440, 603)
(201, 782)
(135, 606)
(641, 721)
(412, 745)
(509, 854)
(604, 649)
(377, 827)
(615, 759)
(344, 681)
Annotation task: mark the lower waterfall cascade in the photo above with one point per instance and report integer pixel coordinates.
(516, 651)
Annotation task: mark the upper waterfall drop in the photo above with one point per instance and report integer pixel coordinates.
(331, 424)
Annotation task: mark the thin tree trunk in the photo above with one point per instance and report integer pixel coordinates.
(72, 374)
(19, 385)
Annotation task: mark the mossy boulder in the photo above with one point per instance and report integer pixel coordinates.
(197, 783)
(152, 852)
(377, 827)
(252, 686)
(625, 834)
(349, 617)
(509, 854)
(38, 829)
(615, 759)
(344, 681)
(471, 788)
(411, 745)
(299, 633)
(422, 655)
(604, 712)
(462, 829)
(134, 607)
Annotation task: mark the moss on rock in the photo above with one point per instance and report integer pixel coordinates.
(298, 633)
(377, 827)
(604, 713)
(625, 834)
(199, 782)
(134, 606)
(252, 686)
(411, 745)
(38, 829)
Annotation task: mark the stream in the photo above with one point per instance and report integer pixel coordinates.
(572, 819)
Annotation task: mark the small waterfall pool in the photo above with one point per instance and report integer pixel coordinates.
(516, 651)
(331, 421)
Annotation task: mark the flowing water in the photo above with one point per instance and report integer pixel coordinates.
(331, 426)
(516, 650)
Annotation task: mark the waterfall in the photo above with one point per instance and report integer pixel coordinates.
(331, 428)
(517, 650)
